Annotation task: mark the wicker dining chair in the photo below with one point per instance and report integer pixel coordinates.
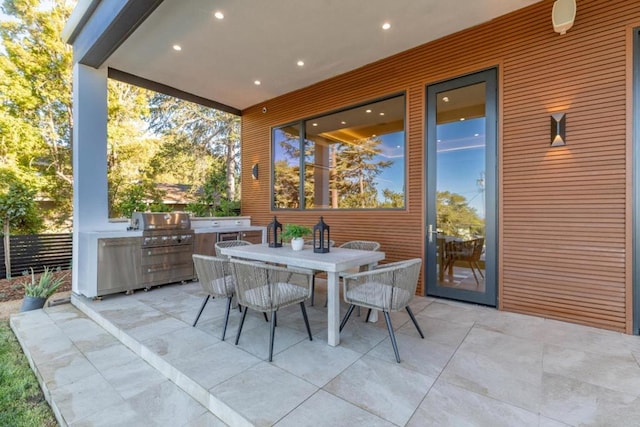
(216, 280)
(390, 287)
(229, 244)
(268, 288)
(314, 272)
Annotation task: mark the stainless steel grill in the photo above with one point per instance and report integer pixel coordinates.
(167, 247)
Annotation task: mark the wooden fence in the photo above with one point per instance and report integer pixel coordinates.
(37, 251)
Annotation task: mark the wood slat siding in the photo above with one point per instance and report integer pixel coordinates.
(564, 247)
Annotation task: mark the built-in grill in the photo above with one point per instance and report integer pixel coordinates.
(167, 247)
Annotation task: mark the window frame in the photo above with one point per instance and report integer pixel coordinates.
(301, 123)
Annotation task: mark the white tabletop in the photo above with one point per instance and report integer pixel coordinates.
(338, 259)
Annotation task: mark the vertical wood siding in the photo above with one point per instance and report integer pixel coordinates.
(563, 248)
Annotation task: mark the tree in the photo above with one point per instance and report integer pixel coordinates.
(456, 217)
(18, 210)
(35, 112)
(217, 131)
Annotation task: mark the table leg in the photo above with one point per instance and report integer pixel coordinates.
(333, 309)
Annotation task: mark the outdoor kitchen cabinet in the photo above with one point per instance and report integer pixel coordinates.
(253, 236)
(204, 244)
(119, 261)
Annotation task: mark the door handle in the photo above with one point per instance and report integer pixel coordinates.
(431, 232)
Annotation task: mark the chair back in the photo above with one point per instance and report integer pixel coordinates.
(363, 245)
(266, 287)
(214, 275)
(229, 244)
(388, 288)
(309, 242)
(478, 246)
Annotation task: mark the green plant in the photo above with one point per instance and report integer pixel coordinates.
(46, 285)
(292, 231)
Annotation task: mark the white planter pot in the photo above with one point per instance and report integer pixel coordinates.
(297, 243)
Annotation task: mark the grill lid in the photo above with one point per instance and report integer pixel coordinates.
(160, 221)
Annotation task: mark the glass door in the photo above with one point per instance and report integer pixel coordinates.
(461, 181)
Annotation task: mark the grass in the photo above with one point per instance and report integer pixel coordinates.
(21, 400)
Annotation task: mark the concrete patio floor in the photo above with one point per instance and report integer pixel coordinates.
(135, 360)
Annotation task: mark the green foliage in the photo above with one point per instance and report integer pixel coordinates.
(138, 198)
(21, 400)
(46, 285)
(292, 231)
(456, 217)
(18, 209)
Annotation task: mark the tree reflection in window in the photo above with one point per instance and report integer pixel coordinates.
(353, 159)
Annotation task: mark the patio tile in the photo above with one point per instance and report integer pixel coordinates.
(109, 357)
(47, 343)
(206, 420)
(121, 414)
(448, 405)
(502, 367)
(167, 405)
(65, 370)
(358, 336)
(213, 325)
(256, 340)
(465, 315)
(133, 378)
(437, 330)
(421, 355)
(158, 326)
(84, 397)
(324, 409)
(179, 343)
(315, 361)
(86, 334)
(215, 364)
(622, 374)
(382, 388)
(516, 325)
(579, 403)
(264, 393)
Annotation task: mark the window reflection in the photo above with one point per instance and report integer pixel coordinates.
(286, 162)
(353, 159)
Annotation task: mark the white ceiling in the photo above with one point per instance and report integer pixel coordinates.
(263, 40)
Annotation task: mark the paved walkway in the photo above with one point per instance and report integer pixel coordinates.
(135, 361)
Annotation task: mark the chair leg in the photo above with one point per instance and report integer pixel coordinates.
(266, 319)
(273, 334)
(206, 299)
(346, 317)
(226, 317)
(368, 314)
(313, 289)
(392, 335)
(306, 320)
(244, 314)
(474, 273)
(415, 323)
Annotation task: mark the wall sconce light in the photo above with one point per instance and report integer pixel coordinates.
(558, 125)
(254, 171)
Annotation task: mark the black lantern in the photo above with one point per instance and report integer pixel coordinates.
(274, 234)
(321, 241)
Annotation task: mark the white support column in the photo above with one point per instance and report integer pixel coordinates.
(90, 199)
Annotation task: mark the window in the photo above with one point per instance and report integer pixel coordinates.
(351, 159)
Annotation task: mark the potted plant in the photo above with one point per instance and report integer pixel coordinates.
(295, 233)
(37, 292)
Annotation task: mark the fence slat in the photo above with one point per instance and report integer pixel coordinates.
(37, 251)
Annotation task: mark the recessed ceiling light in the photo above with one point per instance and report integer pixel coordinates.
(343, 122)
(300, 63)
(397, 146)
(445, 98)
(314, 124)
(476, 134)
(382, 114)
(374, 135)
(439, 140)
(219, 15)
(368, 111)
(177, 47)
(462, 119)
(257, 82)
(386, 26)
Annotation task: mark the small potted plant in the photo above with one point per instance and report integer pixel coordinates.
(295, 233)
(37, 292)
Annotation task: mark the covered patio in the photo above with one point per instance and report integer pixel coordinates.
(136, 360)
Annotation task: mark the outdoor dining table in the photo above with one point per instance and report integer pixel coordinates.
(333, 263)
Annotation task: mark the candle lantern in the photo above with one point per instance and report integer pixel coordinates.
(274, 234)
(321, 238)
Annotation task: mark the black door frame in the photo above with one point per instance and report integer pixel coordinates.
(636, 182)
(490, 77)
